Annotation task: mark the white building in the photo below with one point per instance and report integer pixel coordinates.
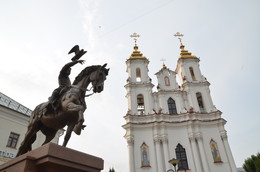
(14, 119)
(176, 121)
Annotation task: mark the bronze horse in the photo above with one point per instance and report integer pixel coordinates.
(70, 112)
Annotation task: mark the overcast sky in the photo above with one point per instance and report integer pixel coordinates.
(36, 35)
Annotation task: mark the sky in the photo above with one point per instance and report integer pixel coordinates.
(36, 36)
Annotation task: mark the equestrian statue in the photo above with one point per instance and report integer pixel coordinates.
(66, 105)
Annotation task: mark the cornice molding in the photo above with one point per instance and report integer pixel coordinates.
(173, 91)
(139, 84)
(195, 83)
(153, 119)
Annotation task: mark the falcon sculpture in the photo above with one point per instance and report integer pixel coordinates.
(78, 52)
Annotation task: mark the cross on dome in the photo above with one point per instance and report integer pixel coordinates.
(135, 36)
(179, 36)
(163, 60)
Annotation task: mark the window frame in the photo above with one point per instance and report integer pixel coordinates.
(12, 140)
(138, 74)
(192, 74)
(140, 104)
(182, 157)
(200, 101)
(172, 106)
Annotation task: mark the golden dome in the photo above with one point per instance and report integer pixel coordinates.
(136, 54)
(185, 53)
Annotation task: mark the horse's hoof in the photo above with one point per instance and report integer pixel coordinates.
(83, 126)
(77, 130)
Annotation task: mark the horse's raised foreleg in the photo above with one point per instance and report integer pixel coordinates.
(80, 109)
(79, 126)
(68, 134)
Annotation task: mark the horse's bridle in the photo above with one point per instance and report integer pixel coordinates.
(91, 88)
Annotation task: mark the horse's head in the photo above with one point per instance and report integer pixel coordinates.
(98, 77)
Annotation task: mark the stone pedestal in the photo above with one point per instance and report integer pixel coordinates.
(54, 158)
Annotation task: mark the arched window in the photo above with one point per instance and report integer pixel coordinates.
(172, 106)
(181, 155)
(192, 74)
(138, 74)
(145, 155)
(167, 81)
(200, 101)
(140, 104)
(215, 152)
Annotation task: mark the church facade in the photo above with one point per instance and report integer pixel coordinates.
(178, 121)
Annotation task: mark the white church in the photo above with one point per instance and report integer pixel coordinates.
(176, 121)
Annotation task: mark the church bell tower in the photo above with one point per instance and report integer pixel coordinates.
(139, 86)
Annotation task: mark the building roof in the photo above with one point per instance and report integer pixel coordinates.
(14, 105)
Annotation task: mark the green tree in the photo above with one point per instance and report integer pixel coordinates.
(112, 170)
(252, 164)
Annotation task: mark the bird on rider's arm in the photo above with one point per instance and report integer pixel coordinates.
(78, 53)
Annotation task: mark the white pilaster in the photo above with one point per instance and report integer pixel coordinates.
(195, 152)
(130, 144)
(202, 153)
(228, 152)
(157, 143)
(166, 152)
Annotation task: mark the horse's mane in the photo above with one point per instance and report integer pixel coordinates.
(84, 72)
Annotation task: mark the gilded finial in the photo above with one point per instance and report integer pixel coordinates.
(163, 60)
(135, 36)
(179, 36)
(136, 53)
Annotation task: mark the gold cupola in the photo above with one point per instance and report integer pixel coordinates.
(136, 54)
(185, 53)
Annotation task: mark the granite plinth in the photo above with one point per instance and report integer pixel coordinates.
(54, 158)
